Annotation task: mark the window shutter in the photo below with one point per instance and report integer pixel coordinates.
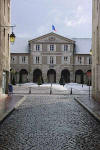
(87, 62)
(34, 47)
(55, 60)
(26, 59)
(82, 60)
(34, 59)
(68, 60)
(62, 47)
(48, 60)
(69, 48)
(48, 47)
(62, 59)
(40, 59)
(76, 60)
(20, 60)
(54, 47)
(40, 47)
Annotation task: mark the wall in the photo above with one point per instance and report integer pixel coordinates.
(4, 43)
(96, 49)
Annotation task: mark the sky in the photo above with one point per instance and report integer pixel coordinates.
(33, 18)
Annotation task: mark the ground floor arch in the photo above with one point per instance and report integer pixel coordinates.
(79, 76)
(51, 76)
(37, 76)
(23, 76)
(65, 76)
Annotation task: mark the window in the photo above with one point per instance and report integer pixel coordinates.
(37, 60)
(37, 47)
(65, 47)
(51, 60)
(23, 59)
(29, 46)
(12, 59)
(51, 47)
(79, 59)
(65, 59)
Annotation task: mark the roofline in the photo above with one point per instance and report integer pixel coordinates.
(45, 35)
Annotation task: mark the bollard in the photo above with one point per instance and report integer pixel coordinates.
(50, 91)
(71, 92)
(29, 90)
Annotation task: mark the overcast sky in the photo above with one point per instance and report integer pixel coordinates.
(71, 18)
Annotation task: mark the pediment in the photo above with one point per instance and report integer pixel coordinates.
(52, 38)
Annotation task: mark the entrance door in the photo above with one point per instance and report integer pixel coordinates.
(51, 76)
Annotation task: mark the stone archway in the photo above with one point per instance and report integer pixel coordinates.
(23, 76)
(79, 76)
(51, 75)
(65, 75)
(37, 76)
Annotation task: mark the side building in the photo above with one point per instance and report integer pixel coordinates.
(51, 58)
(4, 46)
(96, 49)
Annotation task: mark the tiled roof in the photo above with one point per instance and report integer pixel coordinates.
(20, 45)
(82, 45)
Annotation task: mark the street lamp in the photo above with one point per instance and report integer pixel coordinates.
(12, 35)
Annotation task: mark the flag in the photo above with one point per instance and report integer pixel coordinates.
(53, 28)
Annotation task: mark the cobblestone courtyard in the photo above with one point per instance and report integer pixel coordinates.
(50, 123)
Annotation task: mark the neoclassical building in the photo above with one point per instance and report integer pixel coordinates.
(50, 58)
(96, 49)
(4, 46)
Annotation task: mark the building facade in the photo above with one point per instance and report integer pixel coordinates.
(96, 49)
(4, 45)
(51, 58)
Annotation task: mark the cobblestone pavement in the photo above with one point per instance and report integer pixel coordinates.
(50, 123)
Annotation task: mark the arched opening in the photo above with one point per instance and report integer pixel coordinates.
(51, 75)
(65, 76)
(23, 76)
(79, 76)
(37, 76)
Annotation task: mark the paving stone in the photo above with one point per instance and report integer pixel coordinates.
(50, 123)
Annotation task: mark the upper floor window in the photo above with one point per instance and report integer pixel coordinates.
(89, 60)
(65, 58)
(13, 59)
(52, 47)
(37, 59)
(23, 59)
(51, 60)
(65, 47)
(37, 47)
(79, 59)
